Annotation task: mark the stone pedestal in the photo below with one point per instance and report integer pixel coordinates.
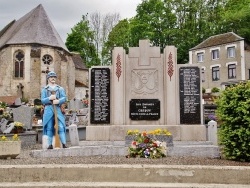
(10, 149)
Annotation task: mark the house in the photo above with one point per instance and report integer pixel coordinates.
(223, 59)
(81, 77)
(31, 47)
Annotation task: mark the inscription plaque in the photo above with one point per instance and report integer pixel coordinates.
(190, 107)
(100, 96)
(144, 109)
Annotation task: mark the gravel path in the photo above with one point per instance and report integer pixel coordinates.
(24, 159)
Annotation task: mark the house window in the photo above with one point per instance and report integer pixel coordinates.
(47, 59)
(215, 54)
(19, 64)
(231, 71)
(215, 73)
(202, 74)
(200, 57)
(231, 52)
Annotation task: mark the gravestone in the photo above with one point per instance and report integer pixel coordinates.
(9, 128)
(3, 124)
(24, 114)
(147, 90)
(75, 104)
(73, 118)
(18, 102)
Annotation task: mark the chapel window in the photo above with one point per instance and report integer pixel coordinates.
(19, 64)
(47, 59)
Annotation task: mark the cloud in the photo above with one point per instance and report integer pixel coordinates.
(65, 14)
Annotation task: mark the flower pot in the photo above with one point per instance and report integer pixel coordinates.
(9, 149)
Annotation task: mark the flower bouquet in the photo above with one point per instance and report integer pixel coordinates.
(18, 127)
(145, 147)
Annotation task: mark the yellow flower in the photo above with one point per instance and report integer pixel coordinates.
(15, 137)
(132, 132)
(4, 138)
(18, 124)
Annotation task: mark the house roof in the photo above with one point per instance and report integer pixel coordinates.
(218, 40)
(80, 84)
(34, 27)
(79, 64)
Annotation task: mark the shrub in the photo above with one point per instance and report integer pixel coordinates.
(215, 90)
(233, 112)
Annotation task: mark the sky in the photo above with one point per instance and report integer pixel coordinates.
(65, 14)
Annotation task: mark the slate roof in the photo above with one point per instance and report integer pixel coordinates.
(79, 64)
(34, 27)
(220, 39)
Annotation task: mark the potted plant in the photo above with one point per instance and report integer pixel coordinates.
(10, 148)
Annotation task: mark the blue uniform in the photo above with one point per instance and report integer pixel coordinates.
(48, 116)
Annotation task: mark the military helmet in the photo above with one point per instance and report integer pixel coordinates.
(51, 74)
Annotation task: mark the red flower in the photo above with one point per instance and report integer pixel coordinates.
(134, 143)
(146, 140)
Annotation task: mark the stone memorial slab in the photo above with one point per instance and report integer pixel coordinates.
(24, 114)
(100, 96)
(144, 109)
(9, 128)
(146, 88)
(190, 106)
(3, 124)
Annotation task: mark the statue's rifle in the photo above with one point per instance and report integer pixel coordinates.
(57, 140)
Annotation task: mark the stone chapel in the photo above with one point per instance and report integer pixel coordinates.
(31, 47)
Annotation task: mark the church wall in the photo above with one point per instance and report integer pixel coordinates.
(35, 71)
(5, 72)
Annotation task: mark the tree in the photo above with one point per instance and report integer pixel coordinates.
(102, 25)
(81, 40)
(119, 36)
(236, 18)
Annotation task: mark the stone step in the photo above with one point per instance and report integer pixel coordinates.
(161, 174)
(118, 148)
(116, 185)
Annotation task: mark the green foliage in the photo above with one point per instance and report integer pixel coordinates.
(119, 36)
(233, 112)
(215, 90)
(81, 40)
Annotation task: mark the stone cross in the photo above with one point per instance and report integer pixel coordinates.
(146, 52)
(20, 90)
